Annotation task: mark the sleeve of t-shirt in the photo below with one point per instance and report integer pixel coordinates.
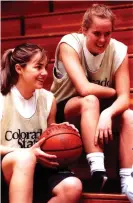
(120, 51)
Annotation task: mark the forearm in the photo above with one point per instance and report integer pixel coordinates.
(119, 105)
(4, 150)
(98, 90)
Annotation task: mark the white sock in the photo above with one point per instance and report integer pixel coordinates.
(96, 161)
(125, 174)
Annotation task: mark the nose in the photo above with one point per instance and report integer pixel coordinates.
(44, 72)
(102, 38)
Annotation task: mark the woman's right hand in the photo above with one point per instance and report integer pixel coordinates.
(104, 128)
(45, 159)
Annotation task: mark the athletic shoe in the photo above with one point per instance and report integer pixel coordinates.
(98, 182)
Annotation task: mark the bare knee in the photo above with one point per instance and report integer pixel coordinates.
(90, 102)
(127, 117)
(22, 160)
(68, 190)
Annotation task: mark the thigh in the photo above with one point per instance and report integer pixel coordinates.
(73, 106)
(67, 109)
(72, 111)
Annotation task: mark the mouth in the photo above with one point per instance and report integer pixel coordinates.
(41, 80)
(100, 46)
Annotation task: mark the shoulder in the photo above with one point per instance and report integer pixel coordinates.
(44, 93)
(47, 99)
(73, 36)
(74, 40)
(118, 46)
(119, 52)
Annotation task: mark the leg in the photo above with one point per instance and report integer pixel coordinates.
(87, 111)
(67, 191)
(18, 169)
(126, 153)
(126, 140)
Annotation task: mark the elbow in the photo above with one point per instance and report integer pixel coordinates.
(83, 91)
(126, 102)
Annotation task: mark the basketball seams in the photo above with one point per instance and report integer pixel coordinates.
(63, 127)
(63, 150)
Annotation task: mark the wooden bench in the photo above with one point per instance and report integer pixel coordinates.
(10, 8)
(103, 198)
(64, 6)
(50, 41)
(69, 21)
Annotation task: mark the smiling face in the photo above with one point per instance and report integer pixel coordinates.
(33, 75)
(98, 35)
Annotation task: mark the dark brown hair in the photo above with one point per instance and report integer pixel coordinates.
(21, 55)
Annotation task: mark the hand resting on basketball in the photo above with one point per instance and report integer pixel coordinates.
(45, 159)
(64, 141)
(66, 123)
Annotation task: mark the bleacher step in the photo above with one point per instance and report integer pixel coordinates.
(103, 198)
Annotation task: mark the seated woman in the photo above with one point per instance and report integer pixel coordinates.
(91, 87)
(26, 111)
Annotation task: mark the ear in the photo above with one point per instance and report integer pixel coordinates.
(18, 68)
(84, 31)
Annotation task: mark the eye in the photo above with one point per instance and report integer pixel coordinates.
(38, 67)
(107, 34)
(97, 34)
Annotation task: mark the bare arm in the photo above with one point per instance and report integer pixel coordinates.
(73, 66)
(51, 118)
(104, 127)
(122, 84)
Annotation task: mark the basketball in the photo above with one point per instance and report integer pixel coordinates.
(64, 142)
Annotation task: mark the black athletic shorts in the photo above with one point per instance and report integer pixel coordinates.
(45, 179)
(60, 111)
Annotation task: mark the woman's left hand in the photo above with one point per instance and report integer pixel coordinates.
(104, 128)
(48, 160)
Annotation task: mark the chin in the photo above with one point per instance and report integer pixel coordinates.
(39, 86)
(100, 51)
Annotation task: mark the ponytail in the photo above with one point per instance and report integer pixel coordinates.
(6, 72)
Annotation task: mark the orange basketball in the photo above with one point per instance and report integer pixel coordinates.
(64, 142)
